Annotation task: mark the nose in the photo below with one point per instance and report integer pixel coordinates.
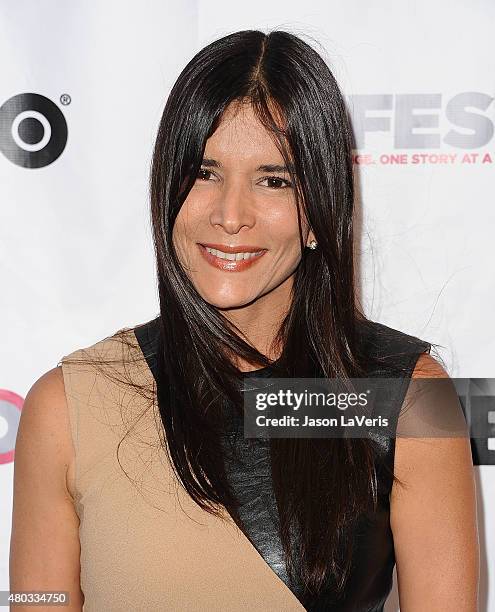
(233, 208)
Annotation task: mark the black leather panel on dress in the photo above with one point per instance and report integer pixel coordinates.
(370, 581)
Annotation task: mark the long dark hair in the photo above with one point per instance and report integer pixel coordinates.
(321, 485)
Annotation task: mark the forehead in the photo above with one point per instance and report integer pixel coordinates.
(242, 137)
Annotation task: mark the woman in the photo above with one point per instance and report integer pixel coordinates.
(145, 496)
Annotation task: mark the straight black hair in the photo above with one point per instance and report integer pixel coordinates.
(321, 485)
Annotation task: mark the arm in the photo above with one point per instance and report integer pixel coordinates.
(44, 546)
(433, 519)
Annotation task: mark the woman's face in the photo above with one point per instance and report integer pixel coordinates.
(240, 207)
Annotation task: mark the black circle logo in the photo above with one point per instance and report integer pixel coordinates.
(33, 130)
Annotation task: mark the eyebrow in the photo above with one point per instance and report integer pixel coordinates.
(213, 163)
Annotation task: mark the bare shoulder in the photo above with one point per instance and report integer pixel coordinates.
(428, 367)
(433, 517)
(44, 425)
(49, 385)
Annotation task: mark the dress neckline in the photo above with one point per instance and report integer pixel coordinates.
(260, 372)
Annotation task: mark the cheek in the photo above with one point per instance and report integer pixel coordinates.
(283, 218)
(284, 232)
(186, 225)
(180, 240)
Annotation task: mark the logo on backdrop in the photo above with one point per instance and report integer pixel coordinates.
(423, 125)
(10, 414)
(33, 130)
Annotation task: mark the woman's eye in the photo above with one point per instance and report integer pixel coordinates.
(203, 174)
(275, 182)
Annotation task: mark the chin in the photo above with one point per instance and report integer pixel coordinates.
(224, 302)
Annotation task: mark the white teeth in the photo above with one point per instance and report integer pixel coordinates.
(232, 256)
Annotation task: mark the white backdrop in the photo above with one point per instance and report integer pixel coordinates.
(76, 259)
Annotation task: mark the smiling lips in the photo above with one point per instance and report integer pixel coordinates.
(232, 259)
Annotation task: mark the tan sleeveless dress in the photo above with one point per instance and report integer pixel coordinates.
(145, 545)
